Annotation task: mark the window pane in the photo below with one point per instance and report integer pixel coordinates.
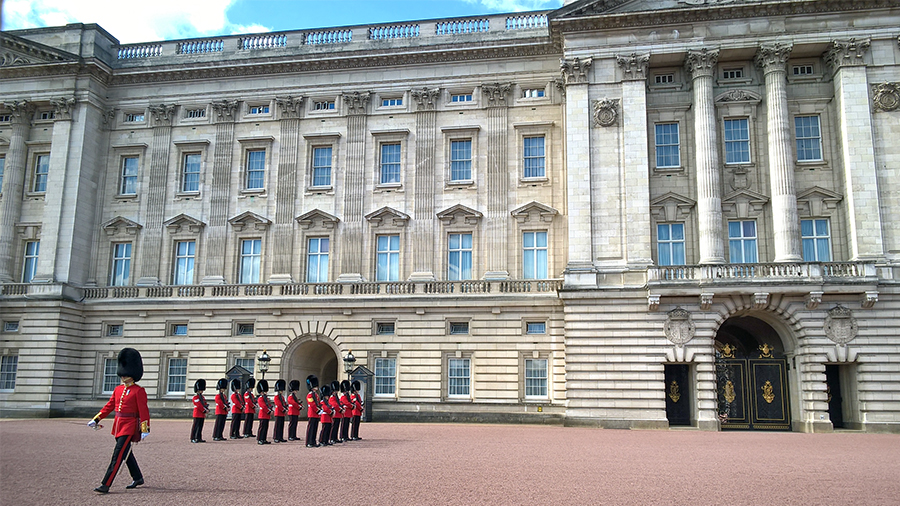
(191, 173)
(533, 157)
(41, 172)
(458, 376)
(737, 141)
(110, 378)
(385, 376)
(250, 261)
(9, 365)
(667, 145)
(535, 377)
(129, 176)
(460, 257)
(322, 167)
(121, 268)
(256, 169)
(317, 260)
(390, 163)
(177, 375)
(184, 263)
(29, 268)
(461, 160)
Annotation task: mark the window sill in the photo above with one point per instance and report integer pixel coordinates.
(126, 198)
(252, 193)
(734, 82)
(536, 400)
(812, 164)
(35, 195)
(667, 87)
(319, 190)
(534, 181)
(667, 170)
(460, 185)
(459, 400)
(389, 187)
(812, 78)
(187, 196)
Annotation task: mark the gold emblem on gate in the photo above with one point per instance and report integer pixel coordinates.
(674, 392)
(768, 392)
(828, 391)
(728, 351)
(729, 391)
(765, 351)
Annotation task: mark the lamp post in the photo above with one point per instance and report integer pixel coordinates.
(349, 361)
(264, 364)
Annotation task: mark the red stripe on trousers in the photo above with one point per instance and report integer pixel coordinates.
(119, 460)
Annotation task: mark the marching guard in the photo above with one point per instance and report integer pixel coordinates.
(280, 409)
(132, 421)
(249, 408)
(221, 409)
(293, 411)
(237, 409)
(312, 410)
(337, 413)
(325, 412)
(347, 406)
(265, 412)
(357, 410)
(201, 407)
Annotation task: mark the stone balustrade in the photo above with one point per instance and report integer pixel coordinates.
(765, 272)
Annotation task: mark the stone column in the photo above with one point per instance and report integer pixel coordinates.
(152, 237)
(846, 58)
(354, 188)
(701, 65)
(772, 60)
(289, 167)
(496, 219)
(636, 161)
(580, 267)
(423, 222)
(220, 192)
(13, 189)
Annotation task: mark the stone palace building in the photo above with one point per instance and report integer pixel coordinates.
(621, 213)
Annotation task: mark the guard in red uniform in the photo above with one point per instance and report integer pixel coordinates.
(237, 409)
(249, 408)
(337, 413)
(357, 410)
(221, 409)
(325, 413)
(201, 408)
(132, 421)
(347, 407)
(293, 411)
(280, 411)
(312, 410)
(265, 412)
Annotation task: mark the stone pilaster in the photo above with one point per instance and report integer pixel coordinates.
(219, 191)
(289, 169)
(846, 58)
(496, 220)
(155, 207)
(354, 188)
(13, 186)
(579, 270)
(423, 223)
(772, 59)
(701, 65)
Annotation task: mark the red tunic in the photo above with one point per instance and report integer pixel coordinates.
(293, 405)
(347, 405)
(200, 406)
(130, 405)
(221, 408)
(335, 407)
(237, 403)
(312, 405)
(249, 402)
(327, 412)
(357, 405)
(264, 410)
(279, 405)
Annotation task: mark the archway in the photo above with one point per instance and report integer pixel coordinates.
(751, 375)
(311, 355)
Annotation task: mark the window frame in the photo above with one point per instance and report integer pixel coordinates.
(392, 360)
(9, 361)
(109, 326)
(113, 262)
(671, 242)
(2, 171)
(743, 239)
(134, 117)
(448, 377)
(462, 251)
(380, 328)
(816, 238)
(525, 396)
(40, 174)
(241, 325)
(318, 254)
(460, 134)
(241, 257)
(543, 129)
(316, 141)
(536, 248)
(105, 376)
(176, 260)
(255, 145)
(657, 145)
(390, 138)
(30, 260)
(726, 143)
(125, 177)
(817, 139)
(174, 328)
(463, 327)
(168, 358)
(389, 252)
(386, 160)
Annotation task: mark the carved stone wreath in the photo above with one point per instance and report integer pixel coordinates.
(606, 112)
(840, 325)
(679, 327)
(887, 96)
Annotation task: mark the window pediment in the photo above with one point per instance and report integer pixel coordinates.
(184, 222)
(744, 204)
(379, 217)
(671, 207)
(317, 219)
(459, 213)
(249, 219)
(738, 96)
(534, 211)
(119, 224)
(817, 201)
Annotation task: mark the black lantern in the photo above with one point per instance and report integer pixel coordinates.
(264, 364)
(349, 362)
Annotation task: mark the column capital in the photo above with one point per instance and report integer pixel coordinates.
(846, 53)
(225, 110)
(357, 102)
(773, 57)
(21, 111)
(496, 94)
(700, 63)
(426, 98)
(290, 107)
(574, 70)
(162, 114)
(634, 66)
(63, 108)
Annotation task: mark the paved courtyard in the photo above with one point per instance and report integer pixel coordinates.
(59, 461)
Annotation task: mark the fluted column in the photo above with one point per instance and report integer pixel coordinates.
(351, 243)
(772, 60)
(496, 219)
(286, 191)
(152, 237)
(220, 192)
(13, 186)
(423, 222)
(701, 65)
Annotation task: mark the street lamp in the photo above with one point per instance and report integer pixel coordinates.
(264, 364)
(349, 361)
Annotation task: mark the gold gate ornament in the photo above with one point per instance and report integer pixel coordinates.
(768, 392)
(674, 392)
(729, 392)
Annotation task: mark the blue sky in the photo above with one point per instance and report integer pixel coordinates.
(142, 20)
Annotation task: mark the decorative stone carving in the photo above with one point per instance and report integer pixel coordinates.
(317, 218)
(574, 70)
(706, 301)
(605, 111)
(495, 94)
(560, 85)
(634, 66)
(740, 179)
(290, 107)
(653, 302)
(840, 325)
(162, 114)
(20, 111)
(702, 62)
(387, 216)
(773, 57)
(869, 299)
(63, 107)
(249, 219)
(679, 326)
(9, 59)
(225, 110)
(459, 214)
(817, 201)
(534, 212)
(119, 224)
(887, 96)
(107, 117)
(182, 221)
(738, 96)
(760, 300)
(846, 53)
(357, 102)
(813, 299)
(426, 99)
(671, 207)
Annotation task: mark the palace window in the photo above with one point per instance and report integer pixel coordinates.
(390, 163)
(535, 328)
(664, 78)
(461, 160)
(737, 73)
(46, 115)
(533, 156)
(121, 264)
(259, 109)
(256, 169)
(802, 70)
(737, 140)
(391, 102)
(245, 329)
(195, 113)
(317, 259)
(29, 267)
(184, 262)
(251, 257)
(134, 117)
(114, 330)
(321, 166)
(41, 173)
(387, 260)
(459, 260)
(178, 329)
(670, 243)
(129, 176)
(323, 105)
(742, 242)
(809, 138)
(462, 97)
(385, 376)
(384, 328)
(177, 376)
(532, 93)
(536, 378)
(816, 239)
(9, 366)
(246, 363)
(5, 118)
(534, 255)
(668, 149)
(12, 326)
(110, 375)
(458, 328)
(2, 165)
(458, 377)
(191, 173)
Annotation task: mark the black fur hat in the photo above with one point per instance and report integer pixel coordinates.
(250, 384)
(280, 385)
(130, 364)
(345, 386)
(335, 386)
(262, 386)
(326, 390)
(355, 385)
(236, 385)
(311, 382)
(222, 384)
(294, 385)
(200, 384)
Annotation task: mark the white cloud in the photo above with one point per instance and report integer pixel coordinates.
(135, 21)
(517, 5)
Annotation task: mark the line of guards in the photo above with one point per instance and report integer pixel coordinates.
(338, 406)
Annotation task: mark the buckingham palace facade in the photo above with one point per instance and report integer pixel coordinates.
(623, 214)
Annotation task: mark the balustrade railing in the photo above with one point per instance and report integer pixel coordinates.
(262, 41)
(526, 21)
(798, 272)
(140, 51)
(461, 26)
(393, 32)
(200, 46)
(328, 37)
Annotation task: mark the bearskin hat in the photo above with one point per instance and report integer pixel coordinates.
(326, 390)
(355, 385)
(345, 386)
(200, 384)
(236, 385)
(250, 384)
(130, 364)
(280, 385)
(294, 385)
(312, 382)
(222, 384)
(335, 386)
(262, 386)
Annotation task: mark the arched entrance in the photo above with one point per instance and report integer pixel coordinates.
(751, 375)
(311, 355)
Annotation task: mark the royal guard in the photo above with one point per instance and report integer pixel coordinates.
(237, 409)
(312, 410)
(347, 407)
(325, 413)
(132, 420)
(265, 412)
(293, 410)
(337, 413)
(249, 407)
(201, 408)
(280, 411)
(357, 409)
(221, 409)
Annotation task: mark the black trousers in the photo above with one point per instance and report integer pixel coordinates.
(236, 424)
(248, 424)
(345, 428)
(355, 432)
(311, 427)
(263, 430)
(292, 427)
(122, 452)
(335, 428)
(197, 429)
(219, 427)
(326, 433)
(278, 432)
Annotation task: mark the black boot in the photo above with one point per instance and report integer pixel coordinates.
(103, 489)
(136, 483)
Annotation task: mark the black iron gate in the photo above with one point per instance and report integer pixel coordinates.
(753, 394)
(678, 403)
